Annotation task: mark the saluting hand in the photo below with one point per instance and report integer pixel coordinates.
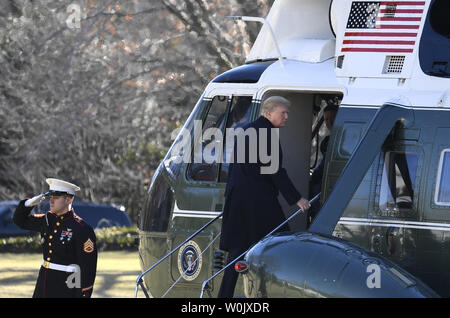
(34, 200)
(303, 204)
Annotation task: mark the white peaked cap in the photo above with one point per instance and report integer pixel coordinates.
(62, 186)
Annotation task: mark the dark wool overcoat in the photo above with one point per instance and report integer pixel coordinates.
(251, 206)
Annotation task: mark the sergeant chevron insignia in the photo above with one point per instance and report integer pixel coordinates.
(88, 246)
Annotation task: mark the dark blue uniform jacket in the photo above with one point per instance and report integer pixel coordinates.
(66, 240)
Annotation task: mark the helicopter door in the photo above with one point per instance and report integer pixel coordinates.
(204, 183)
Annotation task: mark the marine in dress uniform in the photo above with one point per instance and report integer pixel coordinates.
(69, 244)
(252, 208)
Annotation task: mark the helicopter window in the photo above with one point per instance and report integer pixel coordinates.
(180, 150)
(239, 116)
(350, 137)
(439, 17)
(208, 147)
(443, 184)
(434, 50)
(398, 180)
(240, 111)
(158, 206)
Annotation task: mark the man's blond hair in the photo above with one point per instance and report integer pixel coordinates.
(272, 102)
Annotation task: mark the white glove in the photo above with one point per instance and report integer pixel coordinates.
(35, 200)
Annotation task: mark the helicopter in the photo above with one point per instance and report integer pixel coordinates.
(383, 225)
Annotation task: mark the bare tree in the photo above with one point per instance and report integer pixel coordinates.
(91, 90)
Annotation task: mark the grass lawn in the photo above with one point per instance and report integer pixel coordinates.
(116, 274)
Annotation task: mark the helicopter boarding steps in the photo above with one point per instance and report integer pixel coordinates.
(205, 283)
(140, 282)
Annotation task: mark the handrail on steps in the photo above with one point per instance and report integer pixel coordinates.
(205, 283)
(139, 280)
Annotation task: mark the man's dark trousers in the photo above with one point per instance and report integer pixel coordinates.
(230, 276)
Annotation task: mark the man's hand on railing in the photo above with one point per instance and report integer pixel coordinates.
(303, 204)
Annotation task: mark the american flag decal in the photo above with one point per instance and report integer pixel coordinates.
(383, 26)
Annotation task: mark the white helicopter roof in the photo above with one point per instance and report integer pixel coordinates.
(367, 49)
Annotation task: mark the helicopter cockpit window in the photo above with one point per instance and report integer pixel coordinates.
(179, 153)
(398, 180)
(239, 116)
(208, 147)
(212, 152)
(443, 185)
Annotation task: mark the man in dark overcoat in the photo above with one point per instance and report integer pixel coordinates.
(251, 208)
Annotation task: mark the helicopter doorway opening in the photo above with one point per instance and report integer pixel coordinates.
(300, 141)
